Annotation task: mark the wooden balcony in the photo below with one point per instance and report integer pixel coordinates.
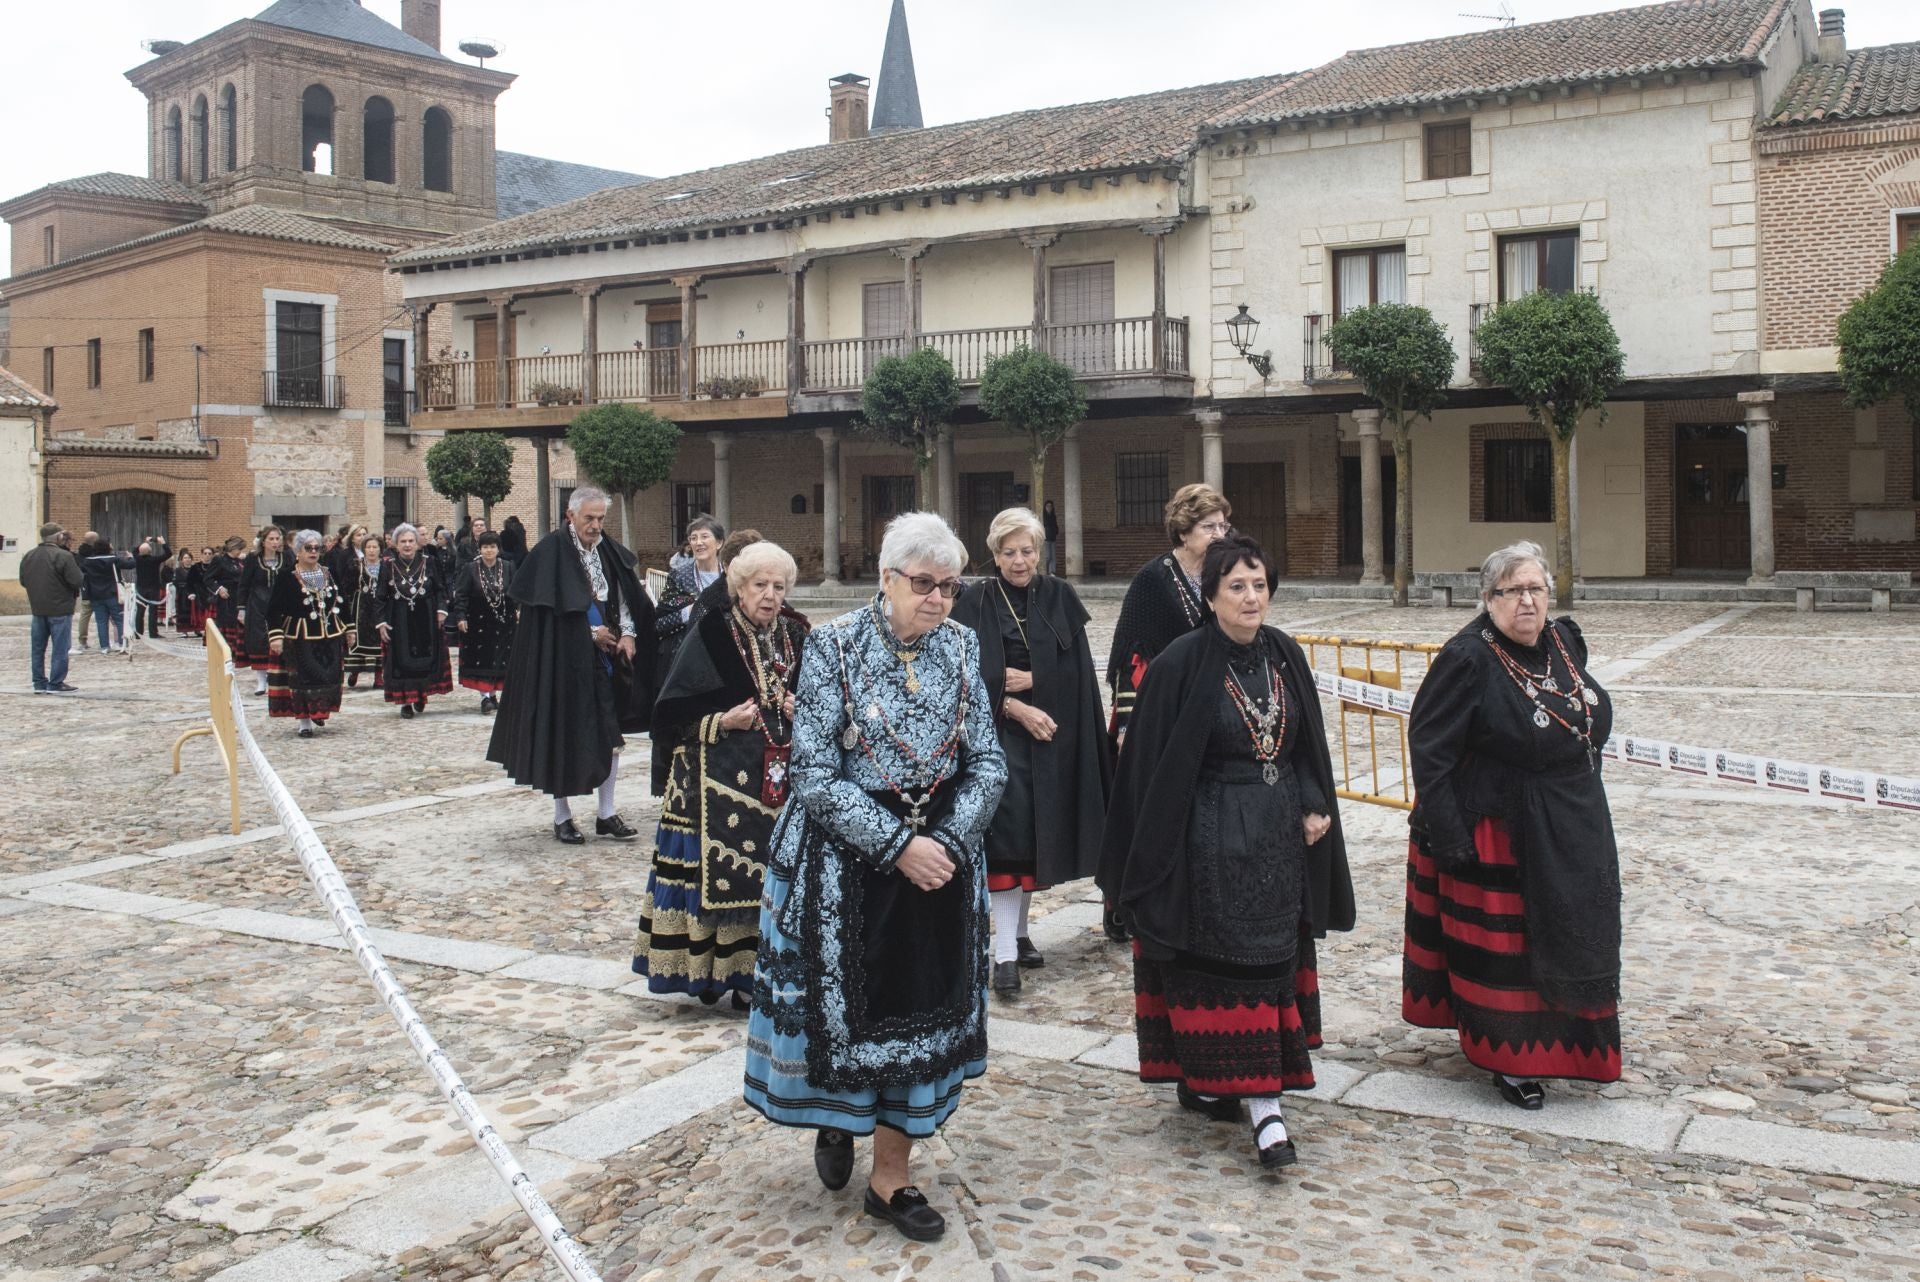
(1095, 349)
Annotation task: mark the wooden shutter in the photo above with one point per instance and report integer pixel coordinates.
(1449, 150)
(883, 310)
(1080, 293)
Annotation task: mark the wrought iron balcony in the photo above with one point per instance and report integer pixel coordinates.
(303, 389)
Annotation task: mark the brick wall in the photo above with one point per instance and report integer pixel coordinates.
(1825, 194)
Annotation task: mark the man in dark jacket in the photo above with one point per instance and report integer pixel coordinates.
(149, 583)
(102, 566)
(52, 579)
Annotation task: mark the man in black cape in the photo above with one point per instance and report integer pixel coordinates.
(577, 681)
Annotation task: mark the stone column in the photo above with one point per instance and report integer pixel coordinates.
(1213, 465)
(1071, 522)
(689, 299)
(1759, 406)
(829, 506)
(946, 479)
(722, 478)
(1372, 563)
(542, 489)
(589, 343)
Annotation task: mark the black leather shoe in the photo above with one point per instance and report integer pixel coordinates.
(1110, 922)
(741, 1001)
(907, 1210)
(1030, 958)
(306, 732)
(615, 828)
(1006, 977)
(833, 1157)
(1276, 1155)
(1528, 1095)
(1219, 1110)
(568, 835)
(406, 710)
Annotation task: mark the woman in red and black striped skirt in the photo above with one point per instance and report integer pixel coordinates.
(1223, 852)
(1513, 876)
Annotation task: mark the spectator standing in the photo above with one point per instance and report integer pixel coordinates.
(102, 566)
(52, 578)
(149, 587)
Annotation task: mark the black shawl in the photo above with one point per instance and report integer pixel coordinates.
(1073, 773)
(256, 596)
(1160, 607)
(224, 571)
(554, 732)
(1144, 857)
(1477, 753)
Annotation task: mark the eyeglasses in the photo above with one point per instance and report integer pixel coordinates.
(1524, 592)
(1213, 527)
(923, 584)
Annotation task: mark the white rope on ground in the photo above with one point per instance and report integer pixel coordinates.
(340, 906)
(1868, 788)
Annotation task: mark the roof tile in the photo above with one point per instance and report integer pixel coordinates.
(129, 187)
(1879, 81)
(15, 390)
(345, 20)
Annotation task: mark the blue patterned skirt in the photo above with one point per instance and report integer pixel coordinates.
(776, 1079)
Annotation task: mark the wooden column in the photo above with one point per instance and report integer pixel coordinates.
(689, 299)
(1159, 232)
(421, 358)
(542, 489)
(911, 255)
(502, 344)
(589, 343)
(1038, 243)
(796, 270)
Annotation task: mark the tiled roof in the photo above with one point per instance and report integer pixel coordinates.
(15, 390)
(127, 449)
(523, 184)
(345, 20)
(264, 221)
(1652, 39)
(1881, 81)
(129, 187)
(1144, 132)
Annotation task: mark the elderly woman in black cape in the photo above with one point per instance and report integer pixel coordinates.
(408, 608)
(307, 637)
(725, 719)
(1046, 704)
(1224, 853)
(1513, 877)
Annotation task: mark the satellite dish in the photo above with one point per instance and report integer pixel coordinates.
(161, 48)
(480, 49)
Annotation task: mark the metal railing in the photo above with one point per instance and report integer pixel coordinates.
(1476, 313)
(1396, 665)
(1316, 359)
(398, 406)
(303, 388)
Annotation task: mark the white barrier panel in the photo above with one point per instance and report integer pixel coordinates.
(1721, 765)
(332, 889)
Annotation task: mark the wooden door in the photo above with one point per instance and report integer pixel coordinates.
(983, 496)
(125, 517)
(1352, 556)
(1258, 492)
(887, 497)
(486, 347)
(1710, 499)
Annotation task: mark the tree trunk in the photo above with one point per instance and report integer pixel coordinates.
(1402, 513)
(486, 513)
(1562, 520)
(1037, 498)
(466, 511)
(626, 520)
(923, 471)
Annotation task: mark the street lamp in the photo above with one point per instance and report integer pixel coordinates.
(1242, 329)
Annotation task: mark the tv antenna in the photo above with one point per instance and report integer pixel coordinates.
(480, 49)
(1504, 18)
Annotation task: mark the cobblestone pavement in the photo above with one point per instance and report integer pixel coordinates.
(196, 1081)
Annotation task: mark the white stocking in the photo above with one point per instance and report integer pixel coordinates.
(562, 810)
(606, 787)
(1259, 1110)
(1006, 924)
(259, 683)
(1026, 902)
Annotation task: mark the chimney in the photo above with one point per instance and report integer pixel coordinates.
(421, 20)
(847, 110)
(1833, 35)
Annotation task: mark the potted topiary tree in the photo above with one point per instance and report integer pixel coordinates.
(624, 449)
(909, 401)
(1037, 399)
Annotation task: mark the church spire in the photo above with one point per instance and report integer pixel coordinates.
(896, 99)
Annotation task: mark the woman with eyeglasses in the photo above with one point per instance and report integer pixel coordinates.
(1513, 876)
(1046, 702)
(1163, 603)
(869, 991)
(1225, 855)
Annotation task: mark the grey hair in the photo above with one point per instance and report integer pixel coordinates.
(304, 537)
(584, 495)
(757, 558)
(1016, 520)
(921, 536)
(405, 527)
(1502, 563)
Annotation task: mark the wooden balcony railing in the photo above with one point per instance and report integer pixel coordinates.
(969, 350)
(841, 364)
(1174, 345)
(636, 375)
(740, 369)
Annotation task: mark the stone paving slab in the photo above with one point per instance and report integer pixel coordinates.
(1608, 1121)
(455, 954)
(633, 1119)
(226, 841)
(1791, 1148)
(77, 872)
(105, 899)
(300, 1260)
(576, 972)
(248, 921)
(377, 810)
(461, 1192)
(1039, 1041)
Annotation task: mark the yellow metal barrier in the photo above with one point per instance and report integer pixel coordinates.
(219, 719)
(1388, 781)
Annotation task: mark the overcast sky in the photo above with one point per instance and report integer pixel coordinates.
(664, 88)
